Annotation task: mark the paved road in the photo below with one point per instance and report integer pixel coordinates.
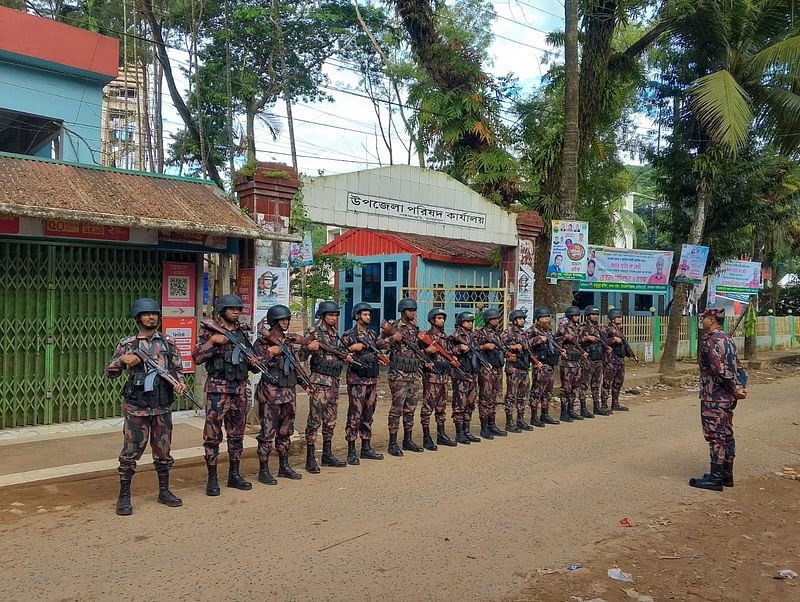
(459, 524)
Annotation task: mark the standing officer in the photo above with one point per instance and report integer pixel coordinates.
(226, 391)
(516, 341)
(362, 383)
(404, 369)
(146, 402)
(277, 403)
(614, 367)
(465, 382)
(722, 385)
(490, 375)
(568, 338)
(592, 368)
(326, 368)
(434, 384)
(543, 347)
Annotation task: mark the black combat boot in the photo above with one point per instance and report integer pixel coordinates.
(546, 418)
(511, 425)
(352, 456)
(536, 420)
(236, 480)
(615, 405)
(264, 475)
(165, 496)
(711, 481)
(571, 411)
(585, 413)
(461, 435)
(565, 417)
(472, 438)
(328, 459)
(368, 453)
(394, 449)
(124, 506)
(521, 424)
(427, 440)
(486, 433)
(408, 442)
(727, 473)
(284, 470)
(601, 410)
(212, 486)
(311, 459)
(494, 429)
(441, 436)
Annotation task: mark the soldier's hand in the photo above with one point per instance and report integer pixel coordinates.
(252, 360)
(739, 393)
(357, 347)
(429, 367)
(274, 350)
(313, 346)
(591, 339)
(430, 349)
(585, 355)
(516, 347)
(397, 336)
(130, 360)
(488, 346)
(463, 348)
(349, 359)
(180, 388)
(218, 339)
(616, 340)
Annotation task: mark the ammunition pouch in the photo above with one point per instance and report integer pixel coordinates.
(523, 361)
(371, 367)
(574, 356)
(595, 351)
(544, 355)
(619, 350)
(148, 390)
(278, 368)
(326, 367)
(404, 364)
(222, 367)
(495, 358)
(440, 365)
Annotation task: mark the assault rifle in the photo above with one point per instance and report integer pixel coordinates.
(390, 327)
(239, 348)
(628, 350)
(290, 361)
(155, 369)
(342, 355)
(383, 359)
(430, 342)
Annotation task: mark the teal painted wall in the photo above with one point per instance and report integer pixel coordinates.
(452, 276)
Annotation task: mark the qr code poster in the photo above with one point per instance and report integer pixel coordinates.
(178, 287)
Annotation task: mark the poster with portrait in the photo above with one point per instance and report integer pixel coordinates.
(301, 253)
(525, 276)
(271, 288)
(610, 269)
(735, 280)
(569, 242)
(692, 264)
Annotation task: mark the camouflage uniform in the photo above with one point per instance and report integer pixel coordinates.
(226, 392)
(323, 406)
(567, 338)
(489, 377)
(404, 382)
(719, 377)
(517, 380)
(434, 384)
(614, 366)
(362, 384)
(542, 345)
(146, 415)
(465, 388)
(592, 367)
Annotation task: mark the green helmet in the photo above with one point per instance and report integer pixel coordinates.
(572, 311)
(541, 312)
(327, 307)
(359, 307)
(277, 313)
(491, 314)
(145, 306)
(405, 304)
(226, 301)
(436, 311)
(614, 313)
(517, 314)
(591, 310)
(465, 316)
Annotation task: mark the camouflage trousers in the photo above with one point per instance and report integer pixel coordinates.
(592, 371)
(360, 411)
(136, 431)
(230, 410)
(405, 397)
(323, 408)
(489, 381)
(613, 378)
(516, 390)
(542, 387)
(465, 393)
(570, 383)
(434, 400)
(276, 411)
(717, 420)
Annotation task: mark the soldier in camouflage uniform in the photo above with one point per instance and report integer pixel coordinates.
(362, 383)
(434, 384)
(277, 403)
(592, 368)
(146, 402)
(722, 385)
(614, 362)
(488, 339)
(226, 391)
(404, 372)
(465, 382)
(567, 337)
(326, 368)
(544, 349)
(515, 340)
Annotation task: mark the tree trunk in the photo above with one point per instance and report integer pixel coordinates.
(158, 122)
(276, 17)
(250, 117)
(569, 171)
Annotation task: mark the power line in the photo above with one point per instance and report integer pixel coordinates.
(541, 10)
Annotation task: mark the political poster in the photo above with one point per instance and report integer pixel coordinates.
(568, 250)
(271, 288)
(735, 280)
(640, 270)
(525, 277)
(301, 253)
(692, 264)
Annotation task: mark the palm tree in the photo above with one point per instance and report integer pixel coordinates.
(748, 62)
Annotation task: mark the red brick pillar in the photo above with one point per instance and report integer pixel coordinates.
(517, 262)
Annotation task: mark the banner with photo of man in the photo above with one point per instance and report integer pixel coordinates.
(736, 280)
(271, 288)
(569, 242)
(692, 264)
(610, 269)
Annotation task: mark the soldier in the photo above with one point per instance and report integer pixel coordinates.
(226, 391)
(362, 383)
(592, 368)
(543, 348)
(722, 385)
(277, 401)
(146, 402)
(516, 341)
(490, 374)
(434, 385)
(568, 339)
(614, 363)
(465, 382)
(404, 369)
(326, 368)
